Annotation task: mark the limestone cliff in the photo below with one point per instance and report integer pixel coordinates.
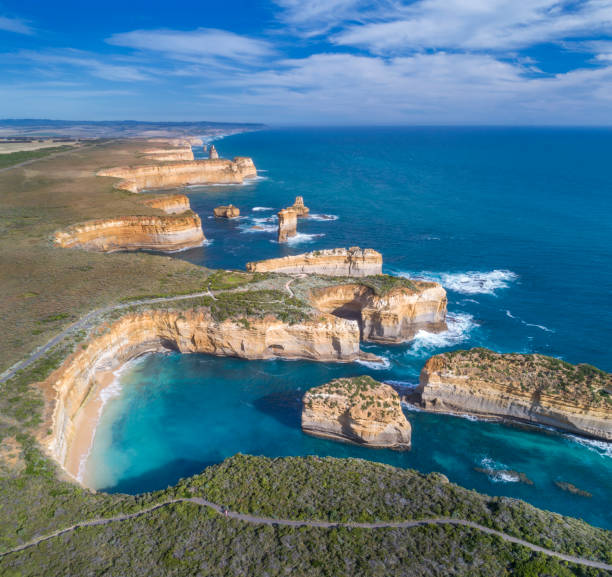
(78, 381)
(229, 211)
(287, 224)
(161, 233)
(212, 153)
(220, 171)
(170, 154)
(354, 261)
(359, 410)
(391, 316)
(170, 203)
(529, 388)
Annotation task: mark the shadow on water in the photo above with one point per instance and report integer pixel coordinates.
(285, 407)
(164, 476)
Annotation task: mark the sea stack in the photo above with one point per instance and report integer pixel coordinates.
(287, 224)
(299, 207)
(524, 387)
(358, 410)
(213, 154)
(229, 211)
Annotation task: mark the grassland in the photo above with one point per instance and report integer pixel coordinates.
(44, 288)
(13, 158)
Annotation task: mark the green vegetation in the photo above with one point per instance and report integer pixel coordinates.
(12, 158)
(582, 384)
(186, 539)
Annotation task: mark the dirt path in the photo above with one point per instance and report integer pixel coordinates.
(318, 524)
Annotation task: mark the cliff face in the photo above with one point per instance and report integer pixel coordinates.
(78, 381)
(299, 208)
(287, 224)
(229, 211)
(170, 154)
(529, 388)
(358, 410)
(220, 171)
(170, 203)
(354, 262)
(394, 317)
(162, 233)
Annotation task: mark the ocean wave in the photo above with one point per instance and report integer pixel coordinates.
(261, 208)
(401, 384)
(603, 448)
(541, 327)
(498, 472)
(386, 363)
(258, 228)
(470, 282)
(459, 327)
(301, 238)
(412, 408)
(323, 217)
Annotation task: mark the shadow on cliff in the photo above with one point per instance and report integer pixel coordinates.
(162, 477)
(285, 407)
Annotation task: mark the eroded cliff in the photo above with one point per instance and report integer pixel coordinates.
(393, 315)
(287, 224)
(354, 261)
(170, 154)
(529, 388)
(228, 211)
(206, 171)
(160, 233)
(73, 390)
(170, 203)
(359, 410)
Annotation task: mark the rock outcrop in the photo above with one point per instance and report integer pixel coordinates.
(528, 388)
(287, 224)
(220, 171)
(212, 153)
(159, 233)
(354, 261)
(229, 211)
(299, 207)
(170, 154)
(170, 203)
(359, 410)
(72, 388)
(388, 316)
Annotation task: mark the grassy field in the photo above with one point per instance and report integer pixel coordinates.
(45, 288)
(12, 158)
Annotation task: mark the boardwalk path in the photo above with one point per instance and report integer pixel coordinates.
(253, 519)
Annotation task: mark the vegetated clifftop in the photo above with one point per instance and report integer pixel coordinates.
(354, 261)
(309, 335)
(530, 388)
(161, 233)
(389, 309)
(169, 203)
(358, 409)
(206, 171)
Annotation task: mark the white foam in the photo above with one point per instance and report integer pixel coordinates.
(402, 384)
(541, 327)
(459, 327)
(603, 448)
(260, 228)
(470, 282)
(498, 472)
(261, 208)
(380, 366)
(323, 217)
(302, 238)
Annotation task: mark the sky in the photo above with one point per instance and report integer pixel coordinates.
(309, 62)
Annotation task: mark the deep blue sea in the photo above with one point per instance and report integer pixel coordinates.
(515, 223)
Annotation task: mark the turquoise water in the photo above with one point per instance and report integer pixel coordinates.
(514, 223)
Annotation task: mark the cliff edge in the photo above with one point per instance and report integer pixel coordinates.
(529, 388)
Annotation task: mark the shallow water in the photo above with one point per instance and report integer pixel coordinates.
(514, 223)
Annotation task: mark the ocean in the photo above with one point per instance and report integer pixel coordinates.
(515, 223)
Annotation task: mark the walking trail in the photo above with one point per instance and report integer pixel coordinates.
(253, 519)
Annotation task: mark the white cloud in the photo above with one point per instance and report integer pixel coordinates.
(478, 24)
(15, 25)
(196, 45)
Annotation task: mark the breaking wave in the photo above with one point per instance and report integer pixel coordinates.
(470, 282)
(323, 217)
(386, 363)
(459, 327)
(603, 448)
(302, 237)
(261, 208)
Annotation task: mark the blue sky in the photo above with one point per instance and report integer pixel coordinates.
(542, 62)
